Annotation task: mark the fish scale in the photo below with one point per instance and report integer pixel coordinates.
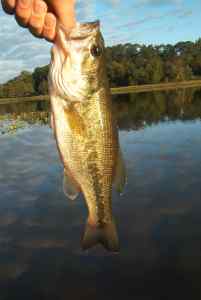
(102, 152)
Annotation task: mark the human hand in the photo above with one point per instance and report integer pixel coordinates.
(41, 16)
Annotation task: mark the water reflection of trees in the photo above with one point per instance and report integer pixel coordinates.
(23, 107)
(133, 111)
(149, 108)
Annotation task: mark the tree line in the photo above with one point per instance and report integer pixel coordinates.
(127, 64)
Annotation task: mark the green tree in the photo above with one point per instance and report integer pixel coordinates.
(40, 76)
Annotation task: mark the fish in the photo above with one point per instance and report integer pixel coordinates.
(85, 128)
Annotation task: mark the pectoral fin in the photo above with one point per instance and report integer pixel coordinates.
(120, 174)
(75, 121)
(70, 187)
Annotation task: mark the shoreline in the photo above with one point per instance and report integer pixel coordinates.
(118, 91)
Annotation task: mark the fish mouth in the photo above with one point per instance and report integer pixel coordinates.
(81, 30)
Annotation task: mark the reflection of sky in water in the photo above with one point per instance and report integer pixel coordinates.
(159, 220)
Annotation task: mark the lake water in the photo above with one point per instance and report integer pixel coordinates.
(158, 216)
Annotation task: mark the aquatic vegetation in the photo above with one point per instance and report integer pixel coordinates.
(37, 117)
(11, 126)
(11, 123)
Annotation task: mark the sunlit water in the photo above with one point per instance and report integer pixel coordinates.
(158, 216)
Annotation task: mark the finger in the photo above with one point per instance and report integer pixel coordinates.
(23, 12)
(37, 19)
(49, 29)
(8, 6)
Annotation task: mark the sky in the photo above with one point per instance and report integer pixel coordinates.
(135, 21)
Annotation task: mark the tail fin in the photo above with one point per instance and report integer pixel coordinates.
(105, 235)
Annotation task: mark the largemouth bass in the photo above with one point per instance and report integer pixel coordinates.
(85, 128)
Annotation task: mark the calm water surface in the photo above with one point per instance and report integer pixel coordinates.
(158, 216)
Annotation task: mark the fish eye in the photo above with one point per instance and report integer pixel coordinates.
(96, 51)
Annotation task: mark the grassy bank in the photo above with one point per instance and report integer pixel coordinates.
(156, 87)
(24, 99)
(119, 90)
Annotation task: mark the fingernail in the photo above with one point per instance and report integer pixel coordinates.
(25, 3)
(39, 7)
